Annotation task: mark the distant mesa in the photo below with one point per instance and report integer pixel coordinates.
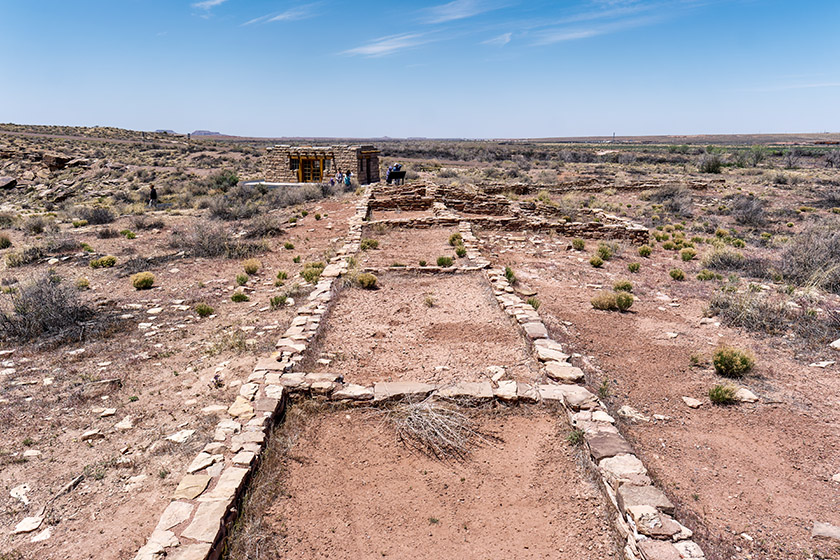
(205, 133)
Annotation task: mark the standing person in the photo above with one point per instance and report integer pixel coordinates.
(347, 178)
(152, 196)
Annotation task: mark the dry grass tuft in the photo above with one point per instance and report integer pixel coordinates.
(435, 429)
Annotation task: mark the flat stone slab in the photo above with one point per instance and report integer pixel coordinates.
(353, 392)
(659, 550)
(604, 444)
(389, 390)
(623, 469)
(207, 521)
(527, 393)
(506, 390)
(268, 364)
(629, 495)
(228, 485)
(691, 402)
(470, 390)
(563, 372)
(549, 355)
(191, 486)
(190, 552)
(574, 396)
(825, 531)
(241, 408)
(174, 514)
(649, 521)
(535, 330)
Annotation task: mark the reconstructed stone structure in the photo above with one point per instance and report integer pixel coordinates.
(316, 164)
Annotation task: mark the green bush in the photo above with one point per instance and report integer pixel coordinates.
(5, 242)
(288, 245)
(278, 301)
(706, 275)
(282, 275)
(509, 275)
(605, 251)
(722, 394)
(623, 286)
(444, 262)
(645, 251)
(688, 254)
(578, 244)
(239, 297)
(251, 266)
(204, 310)
(533, 302)
(605, 301)
(461, 251)
(317, 216)
(624, 300)
(79, 223)
(82, 283)
(103, 262)
(312, 271)
(296, 259)
(634, 267)
(422, 263)
(241, 279)
(596, 261)
(731, 362)
(304, 213)
(455, 239)
(128, 234)
(369, 244)
(143, 280)
(366, 281)
(677, 274)
(669, 245)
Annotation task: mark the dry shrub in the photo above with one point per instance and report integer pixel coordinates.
(813, 257)
(206, 239)
(265, 225)
(675, 199)
(756, 312)
(144, 222)
(95, 216)
(46, 307)
(436, 429)
(747, 210)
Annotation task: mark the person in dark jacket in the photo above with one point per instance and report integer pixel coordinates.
(152, 196)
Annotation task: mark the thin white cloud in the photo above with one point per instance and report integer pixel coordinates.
(207, 4)
(292, 14)
(554, 35)
(459, 9)
(499, 41)
(387, 45)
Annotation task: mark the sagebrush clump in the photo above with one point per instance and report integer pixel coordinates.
(677, 274)
(107, 261)
(143, 280)
(444, 262)
(239, 297)
(251, 266)
(731, 362)
(722, 394)
(203, 310)
(312, 271)
(455, 239)
(366, 280)
(645, 251)
(368, 244)
(5, 242)
(578, 244)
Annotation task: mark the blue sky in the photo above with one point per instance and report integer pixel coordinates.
(465, 68)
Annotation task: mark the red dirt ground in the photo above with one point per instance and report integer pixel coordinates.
(391, 334)
(762, 469)
(351, 490)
